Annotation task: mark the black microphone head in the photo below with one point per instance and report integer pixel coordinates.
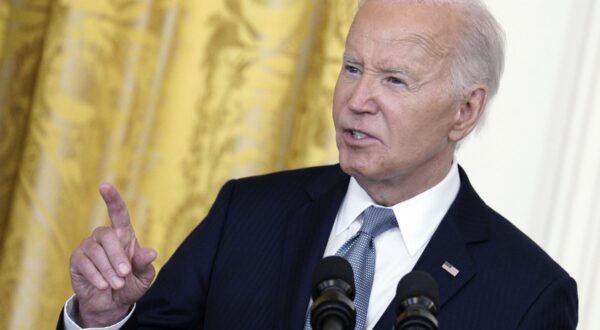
(333, 292)
(418, 300)
(333, 268)
(418, 284)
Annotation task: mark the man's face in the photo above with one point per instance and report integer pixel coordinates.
(392, 109)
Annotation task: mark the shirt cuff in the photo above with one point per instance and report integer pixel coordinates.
(69, 315)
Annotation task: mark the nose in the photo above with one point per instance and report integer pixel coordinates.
(362, 99)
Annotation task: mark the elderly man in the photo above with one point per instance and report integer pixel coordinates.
(415, 81)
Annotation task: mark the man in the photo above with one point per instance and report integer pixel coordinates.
(415, 81)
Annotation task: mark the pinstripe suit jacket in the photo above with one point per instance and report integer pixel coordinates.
(248, 265)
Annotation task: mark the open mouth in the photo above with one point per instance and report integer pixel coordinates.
(358, 135)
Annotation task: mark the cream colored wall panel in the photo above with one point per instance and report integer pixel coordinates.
(537, 160)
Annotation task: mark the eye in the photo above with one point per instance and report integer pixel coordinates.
(351, 69)
(395, 81)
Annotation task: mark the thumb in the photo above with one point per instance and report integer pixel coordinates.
(142, 264)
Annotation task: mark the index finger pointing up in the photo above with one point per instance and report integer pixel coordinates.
(117, 210)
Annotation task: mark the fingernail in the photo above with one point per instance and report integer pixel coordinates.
(123, 268)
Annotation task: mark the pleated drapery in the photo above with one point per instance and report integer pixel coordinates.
(166, 100)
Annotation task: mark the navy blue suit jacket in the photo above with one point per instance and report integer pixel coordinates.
(249, 264)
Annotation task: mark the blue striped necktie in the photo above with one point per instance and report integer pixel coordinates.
(359, 250)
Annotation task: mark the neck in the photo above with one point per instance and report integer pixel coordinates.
(391, 191)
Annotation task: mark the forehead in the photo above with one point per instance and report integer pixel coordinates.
(385, 26)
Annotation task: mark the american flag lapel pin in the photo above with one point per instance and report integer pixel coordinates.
(450, 269)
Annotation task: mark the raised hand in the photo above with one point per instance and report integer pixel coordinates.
(109, 270)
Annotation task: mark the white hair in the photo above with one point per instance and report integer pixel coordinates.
(479, 56)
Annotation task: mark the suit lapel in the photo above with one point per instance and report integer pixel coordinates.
(465, 223)
(306, 239)
(445, 246)
(308, 232)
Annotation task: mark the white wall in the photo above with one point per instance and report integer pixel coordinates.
(537, 160)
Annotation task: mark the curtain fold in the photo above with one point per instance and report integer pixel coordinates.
(166, 100)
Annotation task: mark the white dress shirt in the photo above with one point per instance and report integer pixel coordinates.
(397, 250)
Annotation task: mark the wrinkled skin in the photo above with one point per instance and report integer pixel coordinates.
(397, 121)
(109, 270)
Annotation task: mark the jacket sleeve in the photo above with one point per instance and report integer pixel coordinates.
(555, 307)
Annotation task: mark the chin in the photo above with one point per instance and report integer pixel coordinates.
(357, 169)
(367, 163)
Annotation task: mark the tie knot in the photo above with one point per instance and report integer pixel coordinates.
(377, 220)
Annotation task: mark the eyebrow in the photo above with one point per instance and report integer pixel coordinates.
(349, 59)
(393, 70)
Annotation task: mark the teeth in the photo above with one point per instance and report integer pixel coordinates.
(358, 135)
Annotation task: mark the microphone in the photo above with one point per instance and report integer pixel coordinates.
(418, 297)
(333, 294)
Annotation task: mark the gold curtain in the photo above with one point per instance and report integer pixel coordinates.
(165, 99)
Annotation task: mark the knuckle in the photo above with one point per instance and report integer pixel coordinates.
(84, 245)
(83, 251)
(97, 231)
(76, 256)
(96, 251)
(100, 233)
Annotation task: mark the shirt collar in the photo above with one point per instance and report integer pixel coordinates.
(418, 217)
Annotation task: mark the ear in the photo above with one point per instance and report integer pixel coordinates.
(470, 109)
